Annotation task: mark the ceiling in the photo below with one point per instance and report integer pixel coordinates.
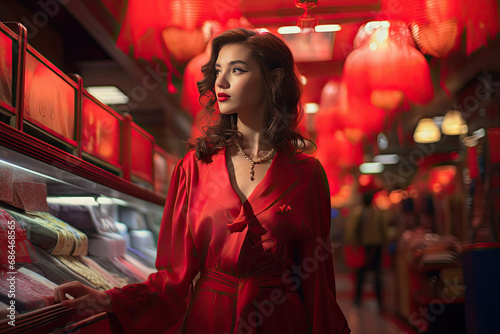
(80, 37)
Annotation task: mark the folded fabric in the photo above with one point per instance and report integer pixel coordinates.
(55, 271)
(145, 270)
(53, 238)
(29, 294)
(48, 283)
(14, 243)
(113, 279)
(79, 238)
(90, 274)
(115, 267)
(139, 256)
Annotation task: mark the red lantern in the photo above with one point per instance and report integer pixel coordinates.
(146, 21)
(325, 121)
(482, 21)
(336, 150)
(339, 111)
(386, 62)
(438, 24)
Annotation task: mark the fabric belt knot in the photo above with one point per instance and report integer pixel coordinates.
(238, 226)
(246, 290)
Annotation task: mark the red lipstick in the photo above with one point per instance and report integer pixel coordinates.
(221, 97)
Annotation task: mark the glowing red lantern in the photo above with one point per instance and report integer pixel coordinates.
(145, 28)
(438, 24)
(338, 111)
(441, 179)
(325, 120)
(482, 21)
(385, 61)
(336, 150)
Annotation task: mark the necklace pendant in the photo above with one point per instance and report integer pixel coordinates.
(252, 172)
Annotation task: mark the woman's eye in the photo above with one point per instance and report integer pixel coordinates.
(236, 69)
(217, 72)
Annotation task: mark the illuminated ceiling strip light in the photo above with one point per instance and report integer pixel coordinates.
(371, 168)
(311, 108)
(32, 172)
(108, 94)
(108, 200)
(73, 201)
(327, 28)
(288, 30)
(85, 200)
(386, 159)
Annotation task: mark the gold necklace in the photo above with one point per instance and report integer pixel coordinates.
(253, 162)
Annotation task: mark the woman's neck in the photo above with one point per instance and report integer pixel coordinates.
(254, 140)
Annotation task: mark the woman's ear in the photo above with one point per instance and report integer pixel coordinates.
(277, 76)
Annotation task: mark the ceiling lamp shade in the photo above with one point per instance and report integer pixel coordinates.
(426, 132)
(385, 66)
(454, 124)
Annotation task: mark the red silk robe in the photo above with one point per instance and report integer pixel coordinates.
(266, 264)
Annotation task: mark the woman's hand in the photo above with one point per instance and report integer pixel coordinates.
(82, 297)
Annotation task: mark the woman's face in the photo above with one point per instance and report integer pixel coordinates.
(239, 85)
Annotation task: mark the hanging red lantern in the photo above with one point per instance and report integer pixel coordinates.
(361, 117)
(339, 111)
(148, 27)
(185, 44)
(437, 25)
(325, 120)
(481, 22)
(385, 61)
(336, 150)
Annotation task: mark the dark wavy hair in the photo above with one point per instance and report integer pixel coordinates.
(281, 130)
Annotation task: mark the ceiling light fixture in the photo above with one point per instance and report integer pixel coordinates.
(286, 30)
(327, 28)
(386, 159)
(454, 124)
(371, 168)
(426, 132)
(311, 108)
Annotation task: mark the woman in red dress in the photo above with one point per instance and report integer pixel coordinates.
(246, 210)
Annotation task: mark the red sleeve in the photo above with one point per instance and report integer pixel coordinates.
(160, 303)
(318, 283)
